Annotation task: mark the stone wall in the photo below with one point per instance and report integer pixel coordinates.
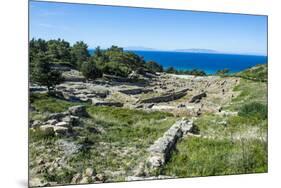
(166, 97)
(160, 151)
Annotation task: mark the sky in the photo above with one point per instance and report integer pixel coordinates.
(159, 29)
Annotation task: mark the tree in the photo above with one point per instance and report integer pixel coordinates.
(42, 73)
(79, 54)
(59, 51)
(197, 72)
(223, 72)
(171, 70)
(90, 71)
(116, 61)
(153, 66)
(36, 47)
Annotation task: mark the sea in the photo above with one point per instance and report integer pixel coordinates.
(208, 62)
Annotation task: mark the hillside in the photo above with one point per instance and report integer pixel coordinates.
(258, 73)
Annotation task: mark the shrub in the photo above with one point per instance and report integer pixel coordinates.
(254, 109)
(90, 71)
(154, 67)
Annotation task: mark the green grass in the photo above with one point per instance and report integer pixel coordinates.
(45, 103)
(111, 139)
(249, 92)
(208, 157)
(127, 135)
(257, 73)
(253, 109)
(228, 144)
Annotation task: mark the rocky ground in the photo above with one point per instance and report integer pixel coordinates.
(181, 94)
(117, 129)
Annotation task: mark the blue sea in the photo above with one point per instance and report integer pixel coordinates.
(208, 62)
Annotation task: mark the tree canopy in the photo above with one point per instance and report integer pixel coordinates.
(114, 60)
(43, 74)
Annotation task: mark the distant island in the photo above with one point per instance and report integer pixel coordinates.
(197, 50)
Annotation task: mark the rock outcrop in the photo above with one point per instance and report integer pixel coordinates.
(166, 97)
(197, 98)
(72, 75)
(135, 91)
(61, 123)
(96, 102)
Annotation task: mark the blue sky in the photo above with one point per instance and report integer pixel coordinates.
(152, 28)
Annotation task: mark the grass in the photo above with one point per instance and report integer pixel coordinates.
(127, 135)
(254, 109)
(249, 92)
(46, 103)
(208, 157)
(112, 140)
(228, 144)
(257, 73)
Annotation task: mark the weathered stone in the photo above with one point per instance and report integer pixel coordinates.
(76, 178)
(56, 116)
(101, 94)
(52, 121)
(36, 123)
(96, 102)
(166, 97)
(67, 119)
(78, 110)
(156, 161)
(72, 75)
(89, 172)
(100, 177)
(139, 106)
(116, 78)
(150, 105)
(85, 180)
(63, 124)
(47, 129)
(74, 120)
(181, 106)
(60, 130)
(135, 91)
(37, 182)
(161, 149)
(198, 97)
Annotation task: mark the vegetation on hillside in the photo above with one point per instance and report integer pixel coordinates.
(110, 139)
(114, 60)
(194, 72)
(232, 144)
(256, 73)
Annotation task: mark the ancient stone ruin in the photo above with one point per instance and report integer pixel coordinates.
(197, 98)
(166, 97)
(160, 151)
(61, 123)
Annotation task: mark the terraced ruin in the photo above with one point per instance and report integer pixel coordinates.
(115, 129)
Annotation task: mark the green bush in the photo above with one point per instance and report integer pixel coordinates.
(153, 66)
(254, 109)
(90, 71)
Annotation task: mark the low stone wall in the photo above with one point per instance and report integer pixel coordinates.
(135, 91)
(96, 102)
(166, 98)
(160, 151)
(198, 97)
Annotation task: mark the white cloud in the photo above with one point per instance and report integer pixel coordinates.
(46, 25)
